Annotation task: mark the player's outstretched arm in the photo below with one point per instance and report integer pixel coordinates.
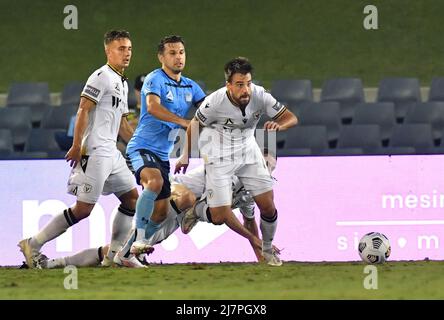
(285, 121)
(251, 225)
(74, 153)
(160, 112)
(234, 224)
(192, 134)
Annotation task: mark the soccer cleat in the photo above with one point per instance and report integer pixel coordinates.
(189, 220)
(130, 262)
(31, 256)
(272, 258)
(140, 247)
(107, 262)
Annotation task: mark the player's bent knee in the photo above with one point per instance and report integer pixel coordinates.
(267, 210)
(187, 200)
(154, 184)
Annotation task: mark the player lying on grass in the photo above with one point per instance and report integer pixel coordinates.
(185, 189)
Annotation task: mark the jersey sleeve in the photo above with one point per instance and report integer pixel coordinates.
(95, 87)
(198, 94)
(206, 114)
(273, 108)
(152, 85)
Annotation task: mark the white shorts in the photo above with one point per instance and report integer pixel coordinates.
(98, 175)
(219, 176)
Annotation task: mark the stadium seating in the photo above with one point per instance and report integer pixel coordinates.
(71, 93)
(364, 136)
(403, 92)
(324, 113)
(313, 138)
(293, 93)
(18, 120)
(59, 117)
(429, 112)
(342, 123)
(347, 91)
(43, 140)
(380, 113)
(436, 92)
(6, 145)
(417, 136)
(30, 94)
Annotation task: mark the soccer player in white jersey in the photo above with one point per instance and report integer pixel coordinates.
(98, 166)
(228, 118)
(185, 189)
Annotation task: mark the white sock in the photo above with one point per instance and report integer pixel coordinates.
(53, 229)
(121, 227)
(268, 229)
(86, 258)
(56, 263)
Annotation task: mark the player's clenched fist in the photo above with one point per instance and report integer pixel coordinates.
(271, 126)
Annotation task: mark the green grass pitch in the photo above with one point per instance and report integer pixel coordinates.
(294, 280)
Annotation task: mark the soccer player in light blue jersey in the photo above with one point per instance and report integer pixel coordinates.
(166, 97)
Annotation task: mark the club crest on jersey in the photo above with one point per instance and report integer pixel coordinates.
(87, 188)
(170, 96)
(188, 97)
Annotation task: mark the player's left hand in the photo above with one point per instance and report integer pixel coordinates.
(271, 126)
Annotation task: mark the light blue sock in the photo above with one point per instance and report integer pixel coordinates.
(150, 228)
(144, 208)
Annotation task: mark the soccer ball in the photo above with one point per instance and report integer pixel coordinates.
(374, 247)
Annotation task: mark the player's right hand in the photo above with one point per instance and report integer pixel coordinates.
(182, 162)
(73, 155)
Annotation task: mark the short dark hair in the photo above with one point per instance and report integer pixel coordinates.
(169, 39)
(238, 65)
(114, 35)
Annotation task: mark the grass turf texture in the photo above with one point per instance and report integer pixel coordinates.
(305, 39)
(396, 280)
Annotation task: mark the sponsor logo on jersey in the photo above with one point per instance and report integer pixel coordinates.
(207, 105)
(277, 106)
(93, 92)
(201, 117)
(210, 193)
(170, 96)
(256, 115)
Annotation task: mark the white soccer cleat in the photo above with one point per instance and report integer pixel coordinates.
(189, 220)
(140, 247)
(272, 258)
(130, 262)
(32, 256)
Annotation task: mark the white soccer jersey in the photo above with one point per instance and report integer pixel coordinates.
(229, 131)
(109, 90)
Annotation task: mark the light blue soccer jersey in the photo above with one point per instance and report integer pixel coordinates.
(178, 97)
